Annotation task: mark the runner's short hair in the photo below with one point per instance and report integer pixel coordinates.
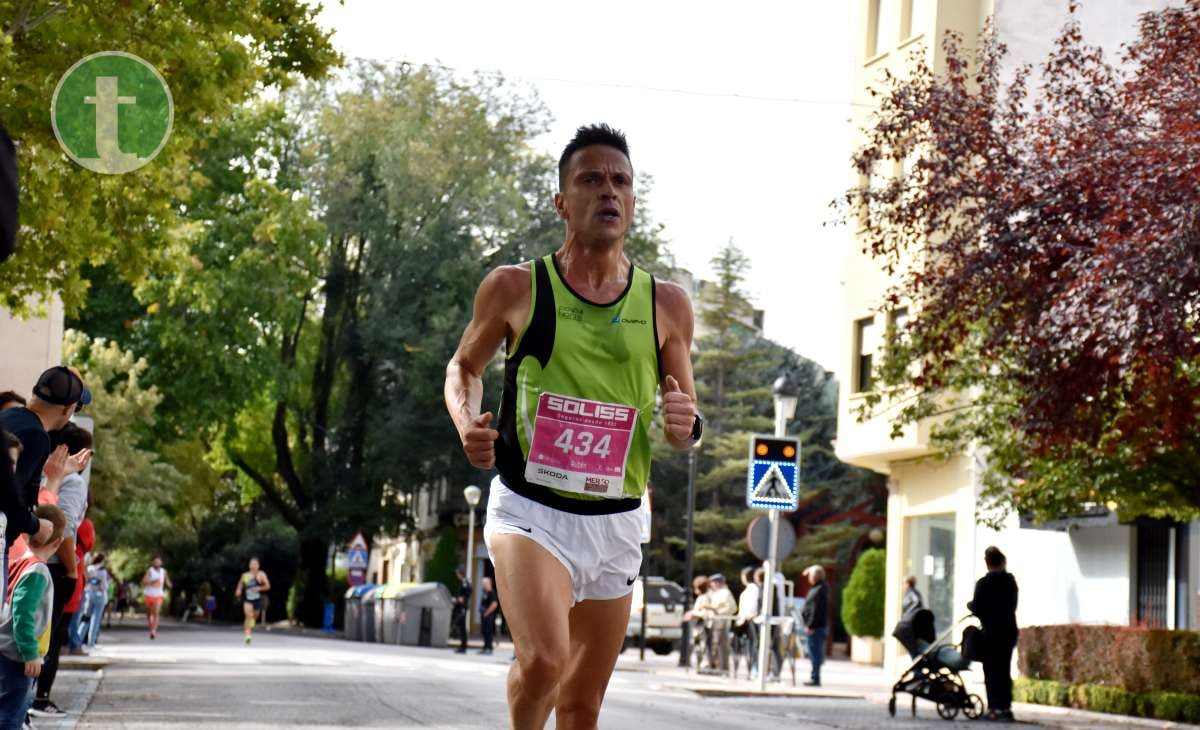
(592, 134)
(56, 516)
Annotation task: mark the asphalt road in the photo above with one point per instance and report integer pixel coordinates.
(206, 677)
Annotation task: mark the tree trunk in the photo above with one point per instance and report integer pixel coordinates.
(314, 558)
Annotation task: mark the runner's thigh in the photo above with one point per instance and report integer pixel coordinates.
(535, 593)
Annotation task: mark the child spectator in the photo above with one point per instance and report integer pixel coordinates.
(25, 629)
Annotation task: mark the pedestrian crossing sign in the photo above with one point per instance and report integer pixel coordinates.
(773, 479)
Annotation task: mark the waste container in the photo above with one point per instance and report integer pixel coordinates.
(391, 612)
(354, 609)
(424, 614)
(371, 614)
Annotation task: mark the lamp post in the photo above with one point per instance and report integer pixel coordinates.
(472, 494)
(786, 395)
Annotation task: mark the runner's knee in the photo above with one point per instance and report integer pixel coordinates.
(542, 667)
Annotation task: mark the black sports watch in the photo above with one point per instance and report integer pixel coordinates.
(697, 428)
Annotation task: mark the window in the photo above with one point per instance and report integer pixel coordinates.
(916, 16)
(866, 344)
(897, 321)
(881, 26)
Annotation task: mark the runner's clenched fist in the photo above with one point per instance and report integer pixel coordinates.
(679, 410)
(479, 441)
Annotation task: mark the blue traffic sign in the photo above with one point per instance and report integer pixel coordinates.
(773, 477)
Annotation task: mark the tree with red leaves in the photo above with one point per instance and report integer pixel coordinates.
(1048, 242)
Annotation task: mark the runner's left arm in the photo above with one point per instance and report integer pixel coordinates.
(676, 325)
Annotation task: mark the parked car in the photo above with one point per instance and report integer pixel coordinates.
(665, 604)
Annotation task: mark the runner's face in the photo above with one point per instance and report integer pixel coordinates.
(254, 565)
(597, 200)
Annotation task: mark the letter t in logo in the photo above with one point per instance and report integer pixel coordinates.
(106, 102)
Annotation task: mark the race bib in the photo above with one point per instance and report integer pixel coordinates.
(580, 445)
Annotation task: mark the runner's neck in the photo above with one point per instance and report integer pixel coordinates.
(593, 267)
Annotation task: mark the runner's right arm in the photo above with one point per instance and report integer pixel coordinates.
(503, 298)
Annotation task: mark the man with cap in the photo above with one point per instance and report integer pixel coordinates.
(58, 394)
(723, 607)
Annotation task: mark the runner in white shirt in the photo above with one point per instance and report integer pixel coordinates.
(153, 583)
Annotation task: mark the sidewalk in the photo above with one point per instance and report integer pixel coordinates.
(843, 679)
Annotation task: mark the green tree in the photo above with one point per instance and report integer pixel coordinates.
(441, 565)
(214, 55)
(735, 369)
(862, 599)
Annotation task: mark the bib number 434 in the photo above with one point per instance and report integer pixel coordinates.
(584, 443)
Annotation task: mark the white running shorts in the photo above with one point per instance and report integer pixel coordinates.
(602, 553)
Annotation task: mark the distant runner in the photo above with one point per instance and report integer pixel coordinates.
(590, 339)
(250, 588)
(153, 583)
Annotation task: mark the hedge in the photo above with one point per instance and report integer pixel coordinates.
(1134, 659)
(862, 598)
(1173, 706)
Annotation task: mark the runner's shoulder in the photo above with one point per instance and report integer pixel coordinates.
(506, 283)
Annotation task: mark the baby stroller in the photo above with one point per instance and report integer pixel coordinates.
(934, 675)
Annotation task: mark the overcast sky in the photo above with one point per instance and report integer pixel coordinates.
(752, 144)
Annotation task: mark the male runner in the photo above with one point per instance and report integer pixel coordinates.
(590, 338)
(251, 588)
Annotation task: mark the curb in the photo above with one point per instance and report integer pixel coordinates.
(85, 664)
(722, 692)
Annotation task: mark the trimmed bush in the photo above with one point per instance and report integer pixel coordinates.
(862, 599)
(1133, 659)
(1173, 706)
(1042, 692)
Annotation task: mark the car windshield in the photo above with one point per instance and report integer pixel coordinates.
(665, 593)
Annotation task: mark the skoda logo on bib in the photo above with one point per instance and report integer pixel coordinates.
(580, 445)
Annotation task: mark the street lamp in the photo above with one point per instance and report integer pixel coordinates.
(786, 394)
(471, 494)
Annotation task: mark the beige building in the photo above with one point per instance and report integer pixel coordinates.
(29, 346)
(1091, 568)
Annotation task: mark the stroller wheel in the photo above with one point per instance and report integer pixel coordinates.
(974, 707)
(947, 706)
(892, 706)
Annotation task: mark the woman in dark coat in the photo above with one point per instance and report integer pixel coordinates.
(995, 603)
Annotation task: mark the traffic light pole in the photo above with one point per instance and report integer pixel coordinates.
(769, 568)
(685, 648)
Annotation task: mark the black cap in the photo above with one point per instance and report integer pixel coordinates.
(60, 386)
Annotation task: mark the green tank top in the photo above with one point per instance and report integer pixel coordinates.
(573, 350)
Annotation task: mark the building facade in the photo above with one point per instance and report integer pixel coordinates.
(30, 346)
(1088, 568)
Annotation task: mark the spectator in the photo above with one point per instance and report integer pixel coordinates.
(25, 629)
(722, 608)
(57, 395)
(97, 598)
(995, 603)
(489, 604)
(748, 609)
(462, 604)
(912, 601)
(816, 621)
(777, 610)
(65, 565)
